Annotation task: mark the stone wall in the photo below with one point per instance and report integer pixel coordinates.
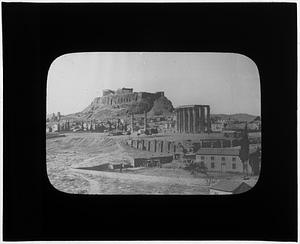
(164, 146)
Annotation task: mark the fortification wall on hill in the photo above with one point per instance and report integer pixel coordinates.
(112, 98)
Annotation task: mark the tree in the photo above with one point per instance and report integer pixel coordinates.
(199, 167)
(255, 161)
(257, 118)
(244, 151)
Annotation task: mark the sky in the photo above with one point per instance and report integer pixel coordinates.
(228, 82)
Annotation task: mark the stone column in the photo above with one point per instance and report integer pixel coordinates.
(208, 120)
(143, 144)
(169, 146)
(162, 146)
(194, 120)
(186, 121)
(191, 120)
(188, 128)
(202, 118)
(183, 120)
(177, 121)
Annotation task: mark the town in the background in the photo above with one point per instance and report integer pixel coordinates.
(136, 142)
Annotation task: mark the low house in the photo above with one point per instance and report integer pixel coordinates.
(227, 187)
(222, 160)
(148, 160)
(217, 127)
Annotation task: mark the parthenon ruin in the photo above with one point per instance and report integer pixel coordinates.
(193, 119)
(126, 95)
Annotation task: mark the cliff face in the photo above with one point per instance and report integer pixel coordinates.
(120, 105)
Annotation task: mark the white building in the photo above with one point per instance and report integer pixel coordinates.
(222, 160)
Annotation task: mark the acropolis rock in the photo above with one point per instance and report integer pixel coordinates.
(124, 102)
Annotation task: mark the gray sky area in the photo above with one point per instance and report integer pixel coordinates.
(228, 82)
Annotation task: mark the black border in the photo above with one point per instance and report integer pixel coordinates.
(35, 34)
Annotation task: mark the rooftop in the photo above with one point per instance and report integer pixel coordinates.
(227, 151)
(227, 185)
(219, 151)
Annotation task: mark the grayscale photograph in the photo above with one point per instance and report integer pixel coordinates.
(153, 123)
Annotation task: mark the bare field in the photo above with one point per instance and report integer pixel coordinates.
(66, 154)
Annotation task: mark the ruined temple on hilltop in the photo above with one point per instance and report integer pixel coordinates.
(126, 95)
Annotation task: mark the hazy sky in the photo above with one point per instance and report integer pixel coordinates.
(228, 82)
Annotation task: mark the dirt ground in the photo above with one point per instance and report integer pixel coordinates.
(66, 154)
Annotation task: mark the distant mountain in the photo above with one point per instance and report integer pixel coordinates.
(242, 117)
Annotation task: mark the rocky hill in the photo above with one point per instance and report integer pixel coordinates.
(153, 103)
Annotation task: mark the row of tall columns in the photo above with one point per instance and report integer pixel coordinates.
(193, 119)
(117, 100)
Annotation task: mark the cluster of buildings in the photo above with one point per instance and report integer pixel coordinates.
(91, 126)
(218, 154)
(54, 118)
(216, 159)
(158, 124)
(225, 125)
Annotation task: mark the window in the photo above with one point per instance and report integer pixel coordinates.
(212, 158)
(223, 158)
(212, 165)
(233, 166)
(233, 159)
(202, 157)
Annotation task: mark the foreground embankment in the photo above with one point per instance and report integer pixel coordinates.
(65, 155)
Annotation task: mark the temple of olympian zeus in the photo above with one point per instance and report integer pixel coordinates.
(193, 119)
